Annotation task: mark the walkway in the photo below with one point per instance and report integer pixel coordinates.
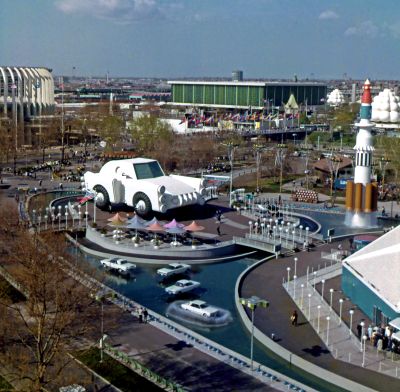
(266, 281)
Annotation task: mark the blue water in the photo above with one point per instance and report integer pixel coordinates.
(217, 288)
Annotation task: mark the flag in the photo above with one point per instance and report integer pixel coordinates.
(88, 196)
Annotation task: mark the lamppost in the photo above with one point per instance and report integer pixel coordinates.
(302, 296)
(309, 306)
(252, 304)
(330, 302)
(364, 339)
(294, 286)
(288, 275)
(327, 330)
(340, 310)
(279, 158)
(295, 265)
(102, 299)
(319, 315)
(250, 226)
(294, 138)
(351, 311)
(323, 288)
(258, 148)
(231, 148)
(362, 332)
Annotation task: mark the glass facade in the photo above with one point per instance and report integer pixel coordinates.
(247, 95)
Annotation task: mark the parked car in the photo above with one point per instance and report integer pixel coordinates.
(201, 308)
(120, 265)
(173, 269)
(182, 286)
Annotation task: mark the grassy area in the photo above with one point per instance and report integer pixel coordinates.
(267, 185)
(5, 386)
(8, 291)
(117, 374)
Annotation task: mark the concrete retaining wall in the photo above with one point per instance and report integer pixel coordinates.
(149, 255)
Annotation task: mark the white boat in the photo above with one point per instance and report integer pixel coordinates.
(200, 308)
(173, 269)
(182, 286)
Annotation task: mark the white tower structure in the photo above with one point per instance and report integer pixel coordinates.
(361, 194)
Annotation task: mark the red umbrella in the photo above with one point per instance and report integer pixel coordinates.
(194, 227)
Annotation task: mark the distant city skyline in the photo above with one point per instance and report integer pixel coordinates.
(312, 39)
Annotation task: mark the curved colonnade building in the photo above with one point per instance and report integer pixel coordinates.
(25, 93)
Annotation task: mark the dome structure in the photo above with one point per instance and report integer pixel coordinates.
(335, 98)
(386, 107)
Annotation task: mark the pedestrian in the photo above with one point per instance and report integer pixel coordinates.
(140, 316)
(145, 315)
(294, 317)
(40, 183)
(219, 230)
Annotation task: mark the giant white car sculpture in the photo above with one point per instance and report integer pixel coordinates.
(142, 184)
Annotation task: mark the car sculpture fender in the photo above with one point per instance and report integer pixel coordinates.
(142, 184)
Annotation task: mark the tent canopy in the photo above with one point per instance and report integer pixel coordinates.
(194, 227)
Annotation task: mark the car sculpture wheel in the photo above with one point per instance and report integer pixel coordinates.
(141, 203)
(102, 198)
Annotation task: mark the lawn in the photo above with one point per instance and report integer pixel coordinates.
(117, 374)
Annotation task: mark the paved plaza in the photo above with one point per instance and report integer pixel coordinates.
(269, 281)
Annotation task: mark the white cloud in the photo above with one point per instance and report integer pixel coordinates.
(366, 28)
(328, 14)
(394, 29)
(122, 11)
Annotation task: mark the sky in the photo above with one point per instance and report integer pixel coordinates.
(315, 39)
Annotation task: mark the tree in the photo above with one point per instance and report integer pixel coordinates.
(111, 129)
(58, 311)
(150, 134)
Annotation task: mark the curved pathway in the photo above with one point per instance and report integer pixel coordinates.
(265, 281)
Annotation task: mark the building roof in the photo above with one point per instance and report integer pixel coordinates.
(324, 164)
(377, 265)
(246, 83)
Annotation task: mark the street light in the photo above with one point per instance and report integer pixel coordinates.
(294, 286)
(302, 296)
(362, 331)
(295, 265)
(231, 148)
(330, 303)
(364, 338)
(319, 315)
(309, 306)
(327, 331)
(340, 310)
(351, 311)
(323, 288)
(252, 304)
(288, 275)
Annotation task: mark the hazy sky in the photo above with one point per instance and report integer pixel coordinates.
(264, 38)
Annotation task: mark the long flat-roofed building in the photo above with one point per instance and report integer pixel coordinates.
(245, 94)
(371, 278)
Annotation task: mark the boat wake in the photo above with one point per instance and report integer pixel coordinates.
(222, 318)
